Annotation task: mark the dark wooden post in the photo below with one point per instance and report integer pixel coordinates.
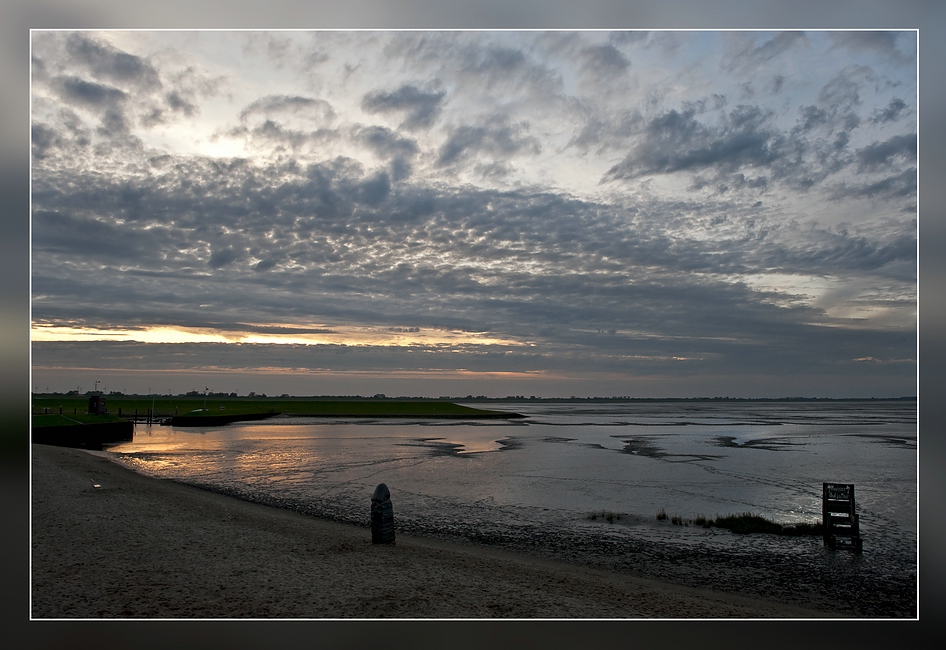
(382, 516)
(841, 525)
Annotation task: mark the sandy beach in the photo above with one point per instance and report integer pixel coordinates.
(110, 543)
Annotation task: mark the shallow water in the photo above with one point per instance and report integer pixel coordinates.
(518, 481)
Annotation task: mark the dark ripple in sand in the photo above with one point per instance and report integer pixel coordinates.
(769, 444)
(435, 446)
(644, 447)
(510, 444)
(888, 441)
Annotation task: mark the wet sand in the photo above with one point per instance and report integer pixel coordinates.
(145, 548)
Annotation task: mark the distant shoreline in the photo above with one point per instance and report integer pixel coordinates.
(215, 420)
(518, 399)
(220, 410)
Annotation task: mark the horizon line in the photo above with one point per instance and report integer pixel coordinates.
(516, 398)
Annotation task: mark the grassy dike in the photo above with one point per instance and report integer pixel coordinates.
(197, 411)
(80, 429)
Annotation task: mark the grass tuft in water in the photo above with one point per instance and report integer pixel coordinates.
(610, 517)
(749, 523)
(804, 528)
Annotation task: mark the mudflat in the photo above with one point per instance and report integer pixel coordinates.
(108, 542)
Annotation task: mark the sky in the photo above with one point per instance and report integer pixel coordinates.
(549, 213)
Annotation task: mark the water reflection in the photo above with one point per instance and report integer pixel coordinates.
(565, 461)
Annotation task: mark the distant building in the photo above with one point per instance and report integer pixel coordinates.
(97, 404)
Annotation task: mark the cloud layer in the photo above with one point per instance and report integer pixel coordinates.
(634, 204)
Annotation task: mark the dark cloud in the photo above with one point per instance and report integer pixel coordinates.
(604, 60)
(177, 102)
(374, 190)
(222, 257)
(265, 265)
(897, 186)
(607, 132)
(421, 108)
(882, 154)
(496, 63)
(736, 182)
(386, 143)
(88, 93)
(42, 138)
(496, 137)
(745, 150)
(841, 251)
(401, 168)
(174, 101)
(270, 130)
(286, 121)
(274, 137)
(889, 45)
(316, 109)
(842, 92)
(67, 232)
(154, 117)
(812, 117)
(500, 68)
(889, 114)
(67, 137)
(838, 104)
(677, 141)
(625, 37)
(105, 62)
(749, 54)
(113, 124)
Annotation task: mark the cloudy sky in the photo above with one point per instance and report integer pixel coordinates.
(547, 213)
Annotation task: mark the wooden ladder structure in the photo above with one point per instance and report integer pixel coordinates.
(841, 527)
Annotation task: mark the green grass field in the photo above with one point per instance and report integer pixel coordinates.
(70, 419)
(73, 407)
